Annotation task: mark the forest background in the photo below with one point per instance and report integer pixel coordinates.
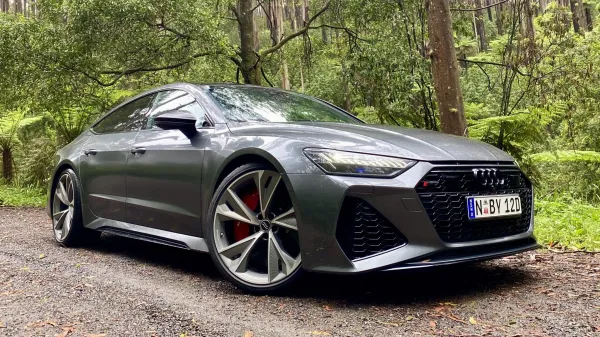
(522, 75)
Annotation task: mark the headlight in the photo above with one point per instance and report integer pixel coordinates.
(359, 164)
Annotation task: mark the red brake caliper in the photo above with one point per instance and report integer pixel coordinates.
(241, 230)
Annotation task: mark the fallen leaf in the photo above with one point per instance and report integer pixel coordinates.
(389, 323)
(453, 317)
(327, 308)
(472, 320)
(432, 324)
(2, 325)
(248, 334)
(409, 318)
(320, 333)
(66, 331)
(42, 256)
(96, 335)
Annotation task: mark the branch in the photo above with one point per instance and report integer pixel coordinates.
(235, 12)
(296, 34)
(478, 9)
(150, 69)
(260, 3)
(496, 64)
(164, 27)
(120, 73)
(262, 70)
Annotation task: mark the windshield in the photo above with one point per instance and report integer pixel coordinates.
(248, 104)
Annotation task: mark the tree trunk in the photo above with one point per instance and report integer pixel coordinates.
(445, 68)
(588, 17)
(276, 18)
(543, 5)
(299, 14)
(346, 86)
(529, 32)
(578, 18)
(250, 66)
(7, 164)
(293, 16)
(500, 19)
(18, 6)
(488, 3)
(480, 25)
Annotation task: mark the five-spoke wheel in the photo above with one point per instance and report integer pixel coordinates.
(254, 230)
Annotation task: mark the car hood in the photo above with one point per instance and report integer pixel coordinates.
(378, 139)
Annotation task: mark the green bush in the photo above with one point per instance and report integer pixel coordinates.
(568, 223)
(22, 196)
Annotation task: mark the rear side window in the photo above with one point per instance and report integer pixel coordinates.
(129, 117)
(166, 101)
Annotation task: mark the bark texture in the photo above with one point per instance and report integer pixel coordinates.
(7, 164)
(250, 63)
(445, 68)
(579, 24)
(480, 26)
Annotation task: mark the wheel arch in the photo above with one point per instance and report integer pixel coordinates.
(60, 168)
(242, 157)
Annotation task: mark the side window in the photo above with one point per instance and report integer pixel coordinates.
(175, 100)
(130, 117)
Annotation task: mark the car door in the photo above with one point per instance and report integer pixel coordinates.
(164, 170)
(103, 161)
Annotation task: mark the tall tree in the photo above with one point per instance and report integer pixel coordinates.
(500, 18)
(579, 24)
(276, 23)
(480, 25)
(445, 68)
(249, 60)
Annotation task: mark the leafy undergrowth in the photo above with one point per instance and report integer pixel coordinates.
(567, 223)
(22, 196)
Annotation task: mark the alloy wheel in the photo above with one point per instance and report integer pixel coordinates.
(255, 229)
(63, 207)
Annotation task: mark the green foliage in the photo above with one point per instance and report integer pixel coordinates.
(22, 196)
(567, 222)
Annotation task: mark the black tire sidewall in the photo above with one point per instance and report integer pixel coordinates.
(78, 235)
(208, 232)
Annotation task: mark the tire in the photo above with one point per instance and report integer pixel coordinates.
(265, 257)
(67, 219)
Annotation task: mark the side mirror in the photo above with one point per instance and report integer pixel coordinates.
(177, 120)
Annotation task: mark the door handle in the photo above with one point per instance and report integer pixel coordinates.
(90, 152)
(138, 150)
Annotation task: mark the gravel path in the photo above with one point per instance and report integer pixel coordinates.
(122, 287)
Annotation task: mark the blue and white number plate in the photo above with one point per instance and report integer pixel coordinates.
(493, 206)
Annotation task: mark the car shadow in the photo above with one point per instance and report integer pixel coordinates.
(181, 260)
(432, 285)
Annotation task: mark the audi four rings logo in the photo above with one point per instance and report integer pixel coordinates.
(489, 177)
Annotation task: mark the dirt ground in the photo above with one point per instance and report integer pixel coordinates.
(122, 287)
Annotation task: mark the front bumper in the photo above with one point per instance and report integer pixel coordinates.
(319, 199)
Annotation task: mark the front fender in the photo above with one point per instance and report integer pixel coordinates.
(66, 157)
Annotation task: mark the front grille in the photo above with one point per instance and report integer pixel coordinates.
(443, 193)
(362, 231)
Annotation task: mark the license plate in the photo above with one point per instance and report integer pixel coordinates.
(492, 206)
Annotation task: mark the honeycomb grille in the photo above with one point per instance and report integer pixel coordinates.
(362, 231)
(443, 193)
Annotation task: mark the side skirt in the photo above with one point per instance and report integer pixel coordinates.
(149, 234)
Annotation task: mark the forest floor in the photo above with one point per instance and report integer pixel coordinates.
(122, 287)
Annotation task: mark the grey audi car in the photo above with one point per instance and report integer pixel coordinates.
(273, 183)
